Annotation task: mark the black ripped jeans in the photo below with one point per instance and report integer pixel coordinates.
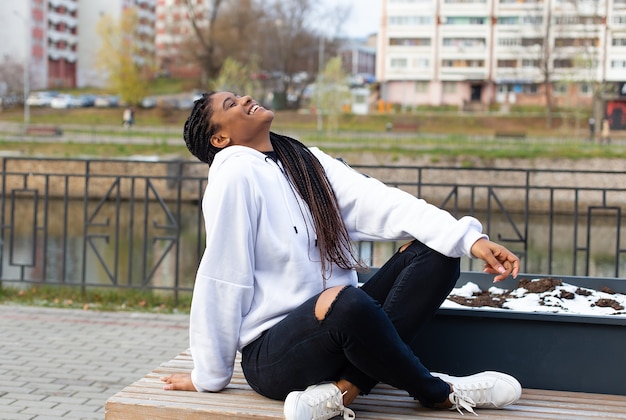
(365, 335)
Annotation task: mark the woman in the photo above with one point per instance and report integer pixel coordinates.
(277, 280)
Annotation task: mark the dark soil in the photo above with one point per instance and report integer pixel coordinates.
(543, 285)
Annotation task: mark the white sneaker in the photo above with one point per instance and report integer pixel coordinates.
(317, 402)
(482, 390)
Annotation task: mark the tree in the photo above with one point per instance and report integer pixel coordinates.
(282, 37)
(295, 35)
(332, 93)
(11, 81)
(570, 48)
(546, 65)
(204, 49)
(235, 77)
(120, 59)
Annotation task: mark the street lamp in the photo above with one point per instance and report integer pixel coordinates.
(26, 74)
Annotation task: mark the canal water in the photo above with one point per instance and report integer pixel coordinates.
(147, 250)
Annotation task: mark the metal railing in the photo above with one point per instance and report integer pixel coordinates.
(138, 224)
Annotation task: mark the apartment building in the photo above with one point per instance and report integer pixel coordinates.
(476, 52)
(90, 13)
(357, 58)
(57, 39)
(43, 35)
(173, 29)
(60, 40)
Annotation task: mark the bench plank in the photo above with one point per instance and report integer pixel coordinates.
(146, 399)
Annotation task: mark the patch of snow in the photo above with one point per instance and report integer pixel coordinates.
(564, 298)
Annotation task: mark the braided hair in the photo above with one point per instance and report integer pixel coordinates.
(198, 130)
(304, 172)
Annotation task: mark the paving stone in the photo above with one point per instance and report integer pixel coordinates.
(65, 364)
(18, 416)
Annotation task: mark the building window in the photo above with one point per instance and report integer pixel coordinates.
(449, 87)
(503, 88)
(530, 89)
(507, 63)
(619, 20)
(585, 89)
(398, 63)
(618, 64)
(526, 89)
(509, 42)
(529, 42)
(559, 89)
(410, 20)
(508, 20)
(528, 63)
(464, 42)
(414, 42)
(576, 42)
(421, 63)
(618, 42)
(563, 63)
(532, 20)
(578, 20)
(421, 87)
(588, 63)
(462, 63)
(463, 20)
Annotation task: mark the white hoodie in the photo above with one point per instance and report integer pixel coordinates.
(261, 261)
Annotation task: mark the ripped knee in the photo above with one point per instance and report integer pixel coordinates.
(405, 246)
(325, 301)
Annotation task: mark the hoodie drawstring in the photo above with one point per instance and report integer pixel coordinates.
(282, 188)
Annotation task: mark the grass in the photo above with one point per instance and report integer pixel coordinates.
(104, 299)
(104, 151)
(438, 148)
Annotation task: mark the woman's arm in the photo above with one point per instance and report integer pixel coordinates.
(223, 287)
(374, 211)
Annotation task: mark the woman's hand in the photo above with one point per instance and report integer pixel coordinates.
(178, 382)
(498, 259)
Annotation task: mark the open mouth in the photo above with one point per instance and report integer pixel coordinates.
(253, 109)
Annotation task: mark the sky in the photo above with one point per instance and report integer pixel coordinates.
(364, 19)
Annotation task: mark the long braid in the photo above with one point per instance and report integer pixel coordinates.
(309, 178)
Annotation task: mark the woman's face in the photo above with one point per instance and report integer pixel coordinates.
(241, 120)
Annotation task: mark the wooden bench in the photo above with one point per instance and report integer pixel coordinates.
(43, 130)
(510, 134)
(146, 399)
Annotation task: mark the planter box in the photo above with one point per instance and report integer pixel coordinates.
(546, 351)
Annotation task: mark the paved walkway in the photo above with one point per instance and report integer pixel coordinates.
(64, 364)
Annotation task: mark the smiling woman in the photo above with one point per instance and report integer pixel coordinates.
(278, 277)
(222, 119)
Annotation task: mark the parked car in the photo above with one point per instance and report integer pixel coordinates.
(106, 101)
(87, 100)
(63, 101)
(148, 102)
(185, 103)
(40, 98)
